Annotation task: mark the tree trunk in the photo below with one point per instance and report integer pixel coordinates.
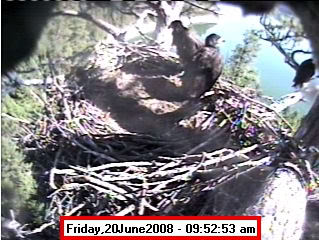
(308, 131)
(166, 13)
(275, 194)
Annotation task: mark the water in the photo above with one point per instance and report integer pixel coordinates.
(275, 75)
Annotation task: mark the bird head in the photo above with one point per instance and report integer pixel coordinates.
(213, 40)
(177, 26)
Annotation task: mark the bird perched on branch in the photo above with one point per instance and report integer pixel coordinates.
(186, 43)
(304, 73)
(307, 80)
(307, 84)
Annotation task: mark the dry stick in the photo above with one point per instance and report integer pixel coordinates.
(235, 154)
(15, 119)
(126, 211)
(266, 106)
(148, 205)
(118, 165)
(77, 122)
(169, 172)
(107, 185)
(38, 97)
(42, 227)
(74, 210)
(53, 170)
(101, 155)
(142, 202)
(108, 192)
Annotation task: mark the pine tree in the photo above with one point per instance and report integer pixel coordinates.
(239, 65)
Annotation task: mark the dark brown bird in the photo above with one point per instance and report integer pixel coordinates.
(304, 73)
(207, 61)
(186, 43)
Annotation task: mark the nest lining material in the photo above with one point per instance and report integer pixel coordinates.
(95, 167)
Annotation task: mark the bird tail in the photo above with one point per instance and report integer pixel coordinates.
(296, 85)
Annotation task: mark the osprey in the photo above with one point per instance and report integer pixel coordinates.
(304, 73)
(186, 44)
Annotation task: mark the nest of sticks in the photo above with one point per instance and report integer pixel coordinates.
(87, 165)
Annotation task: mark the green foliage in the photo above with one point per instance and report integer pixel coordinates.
(63, 38)
(283, 29)
(238, 67)
(293, 117)
(22, 105)
(17, 183)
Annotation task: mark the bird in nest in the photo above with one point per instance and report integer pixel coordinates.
(208, 61)
(186, 43)
(202, 63)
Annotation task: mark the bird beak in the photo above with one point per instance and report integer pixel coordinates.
(170, 25)
(220, 41)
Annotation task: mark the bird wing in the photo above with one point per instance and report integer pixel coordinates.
(208, 62)
(187, 45)
(209, 58)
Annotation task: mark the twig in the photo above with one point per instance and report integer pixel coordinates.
(200, 7)
(15, 119)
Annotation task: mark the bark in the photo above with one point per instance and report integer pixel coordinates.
(166, 12)
(309, 17)
(308, 132)
(275, 194)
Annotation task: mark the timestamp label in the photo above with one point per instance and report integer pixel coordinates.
(166, 227)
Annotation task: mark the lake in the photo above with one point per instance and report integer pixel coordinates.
(276, 76)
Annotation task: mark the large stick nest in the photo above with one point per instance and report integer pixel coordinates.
(87, 164)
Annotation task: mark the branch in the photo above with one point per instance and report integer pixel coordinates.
(130, 12)
(299, 51)
(158, 9)
(117, 33)
(200, 7)
(140, 21)
(275, 41)
(290, 61)
(14, 118)
(155, 6)
(187, 10)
